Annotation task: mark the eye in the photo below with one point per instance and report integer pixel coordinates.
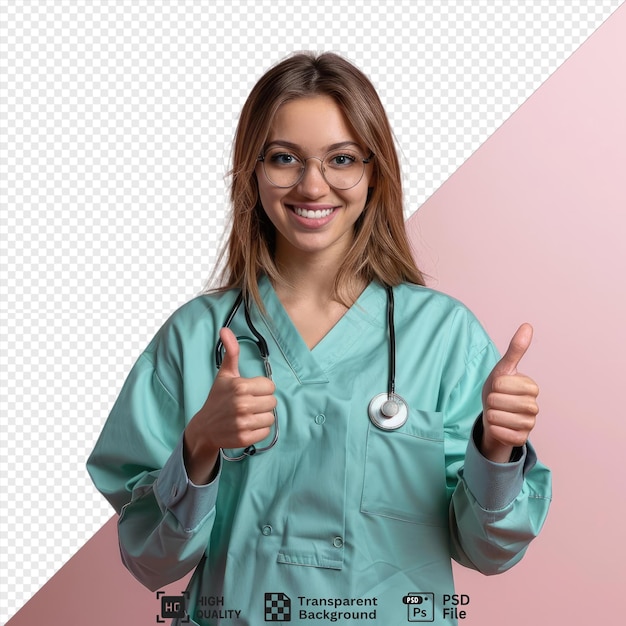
(283, 159)
(341, 159)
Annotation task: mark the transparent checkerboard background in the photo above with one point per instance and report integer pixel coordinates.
(116, 125)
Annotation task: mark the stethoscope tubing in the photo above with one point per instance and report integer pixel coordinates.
(265, 356)
(387, 411)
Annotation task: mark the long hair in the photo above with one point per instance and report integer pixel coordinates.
(380, 249)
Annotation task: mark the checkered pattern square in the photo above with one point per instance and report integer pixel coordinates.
(277, 607)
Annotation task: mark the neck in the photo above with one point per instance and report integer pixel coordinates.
(307, 277)
(307, 294)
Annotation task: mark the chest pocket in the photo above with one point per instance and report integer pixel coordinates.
(405, 476)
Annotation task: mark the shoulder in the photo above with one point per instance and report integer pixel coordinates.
(205, 309)
(184, 345)
(197, 322)
(411, 299)
(427, 311)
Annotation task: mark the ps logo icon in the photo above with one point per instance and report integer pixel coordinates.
(420, 606)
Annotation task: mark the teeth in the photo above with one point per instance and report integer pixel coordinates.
(312, 214)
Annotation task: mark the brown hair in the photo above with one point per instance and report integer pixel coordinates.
(380, 250)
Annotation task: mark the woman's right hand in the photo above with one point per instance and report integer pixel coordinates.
(238, 412)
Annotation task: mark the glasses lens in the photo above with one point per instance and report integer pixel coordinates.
(342, 169)
(282, 168)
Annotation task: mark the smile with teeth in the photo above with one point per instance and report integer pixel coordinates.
(317, 214)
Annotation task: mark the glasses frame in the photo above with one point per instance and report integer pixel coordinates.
(365, 161)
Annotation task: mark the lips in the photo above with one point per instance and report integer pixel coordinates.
(312, 211)
(312, 214)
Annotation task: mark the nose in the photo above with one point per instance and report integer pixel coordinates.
(313, 184)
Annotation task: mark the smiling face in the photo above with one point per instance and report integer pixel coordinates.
(312, 218)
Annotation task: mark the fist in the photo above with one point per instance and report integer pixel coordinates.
(509, 402)
(237, 413)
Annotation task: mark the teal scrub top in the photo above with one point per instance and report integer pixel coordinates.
(340, 521)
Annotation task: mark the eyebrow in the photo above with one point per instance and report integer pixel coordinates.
(294, 146)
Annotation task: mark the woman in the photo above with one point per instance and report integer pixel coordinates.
(290, 503)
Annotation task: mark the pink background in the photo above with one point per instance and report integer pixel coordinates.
(530, 228)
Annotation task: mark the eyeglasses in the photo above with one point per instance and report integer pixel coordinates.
(342, 168)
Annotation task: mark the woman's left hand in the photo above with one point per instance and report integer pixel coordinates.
(509, 402)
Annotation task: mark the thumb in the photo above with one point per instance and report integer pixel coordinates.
(230, 364)
(516, 350)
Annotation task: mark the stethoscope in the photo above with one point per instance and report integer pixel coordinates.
(387, 411)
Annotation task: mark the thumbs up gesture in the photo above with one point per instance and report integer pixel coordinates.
(509, 402)
(238, 412)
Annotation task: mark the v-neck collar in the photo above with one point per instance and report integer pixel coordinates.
(311, 366)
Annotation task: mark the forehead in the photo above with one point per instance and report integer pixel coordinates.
(311, 123)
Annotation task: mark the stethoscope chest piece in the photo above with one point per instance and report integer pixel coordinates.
(388, 411)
